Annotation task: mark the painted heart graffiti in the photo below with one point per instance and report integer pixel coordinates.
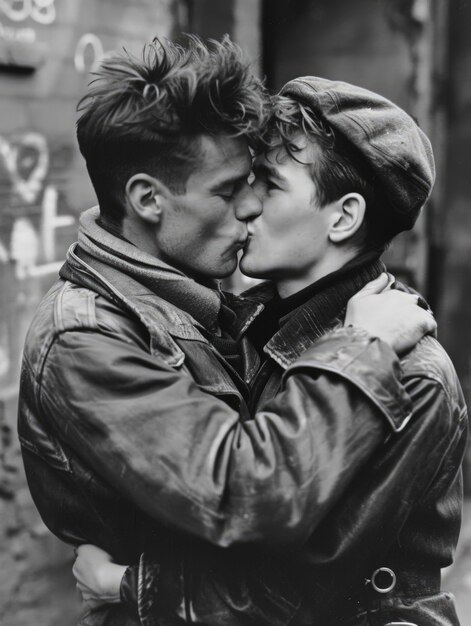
(26, 160)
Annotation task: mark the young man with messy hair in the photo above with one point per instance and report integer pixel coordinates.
(345, 170)
(134, 412)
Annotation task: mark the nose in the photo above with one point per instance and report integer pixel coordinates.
(248, 205)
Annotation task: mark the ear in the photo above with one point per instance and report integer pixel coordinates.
(348, 216)
(146, 197)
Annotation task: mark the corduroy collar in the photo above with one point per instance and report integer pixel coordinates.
(303, 326)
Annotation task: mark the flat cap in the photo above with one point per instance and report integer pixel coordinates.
(398, 152)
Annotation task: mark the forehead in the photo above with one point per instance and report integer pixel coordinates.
(278, 158)
(221, 158)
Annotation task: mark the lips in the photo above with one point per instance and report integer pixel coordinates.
(241, 243)
(247, 242)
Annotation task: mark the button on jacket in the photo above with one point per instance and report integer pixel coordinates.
(135, 433)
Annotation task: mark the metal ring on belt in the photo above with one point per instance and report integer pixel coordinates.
(383, 570)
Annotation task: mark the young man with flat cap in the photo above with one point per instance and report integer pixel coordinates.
(345, 171)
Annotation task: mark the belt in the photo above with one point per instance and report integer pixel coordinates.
(383, 583)
(390, 581)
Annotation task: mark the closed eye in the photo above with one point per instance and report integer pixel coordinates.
(271, 184)
(229, 191)
(267, 176)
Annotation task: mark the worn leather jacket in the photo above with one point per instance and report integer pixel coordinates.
(136, 434)
(374, 556)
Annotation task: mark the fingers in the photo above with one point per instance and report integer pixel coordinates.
(88, 596)
(76, 570)
(429, 324)
(391, 280)
(422, 303)
(375, 286)
(81, 571)
(88, 602)
(421, 315)
(399, 318)
(88, 550)
(83, 589)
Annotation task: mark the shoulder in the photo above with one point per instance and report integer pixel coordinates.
(429, 362)
(74, 308)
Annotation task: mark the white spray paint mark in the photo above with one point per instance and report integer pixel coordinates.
(26, 157)
(88, 45)
(50, 222)
(41, 11)
(24, 247)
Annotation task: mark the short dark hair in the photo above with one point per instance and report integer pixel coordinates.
(341, 169)
(148, 114)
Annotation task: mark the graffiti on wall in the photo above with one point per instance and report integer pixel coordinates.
(40, 11)
(29, 224)
(26, 159)
(18, 41)
(89, 53)
(31, 247)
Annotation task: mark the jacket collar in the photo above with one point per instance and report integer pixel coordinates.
(101, 246)
(326, 309)
(166, 301)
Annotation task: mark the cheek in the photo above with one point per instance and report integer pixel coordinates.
(283, 229)
(298, 239)
(196, 217)
(216, 221)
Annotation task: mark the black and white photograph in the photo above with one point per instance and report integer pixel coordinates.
(235, 312)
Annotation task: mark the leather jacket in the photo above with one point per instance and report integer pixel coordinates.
(374, 557)
(135, 433)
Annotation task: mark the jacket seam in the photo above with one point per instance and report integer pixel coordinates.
(457, 434)
(420, 375)
(359, 384)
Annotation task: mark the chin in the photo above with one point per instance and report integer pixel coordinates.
(223, 270)
(251, 269)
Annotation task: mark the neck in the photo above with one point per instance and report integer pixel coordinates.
(330, 263)
(140, 236)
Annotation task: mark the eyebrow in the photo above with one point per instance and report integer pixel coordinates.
(268, 170)
(227, 182)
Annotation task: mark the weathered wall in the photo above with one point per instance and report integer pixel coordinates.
(43, 187)
(454, 305)
(418, 53)
(379, 44)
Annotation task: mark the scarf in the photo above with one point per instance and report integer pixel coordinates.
(103, 248)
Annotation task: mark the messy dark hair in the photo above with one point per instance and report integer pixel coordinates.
(338, 169)
(147, 115)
